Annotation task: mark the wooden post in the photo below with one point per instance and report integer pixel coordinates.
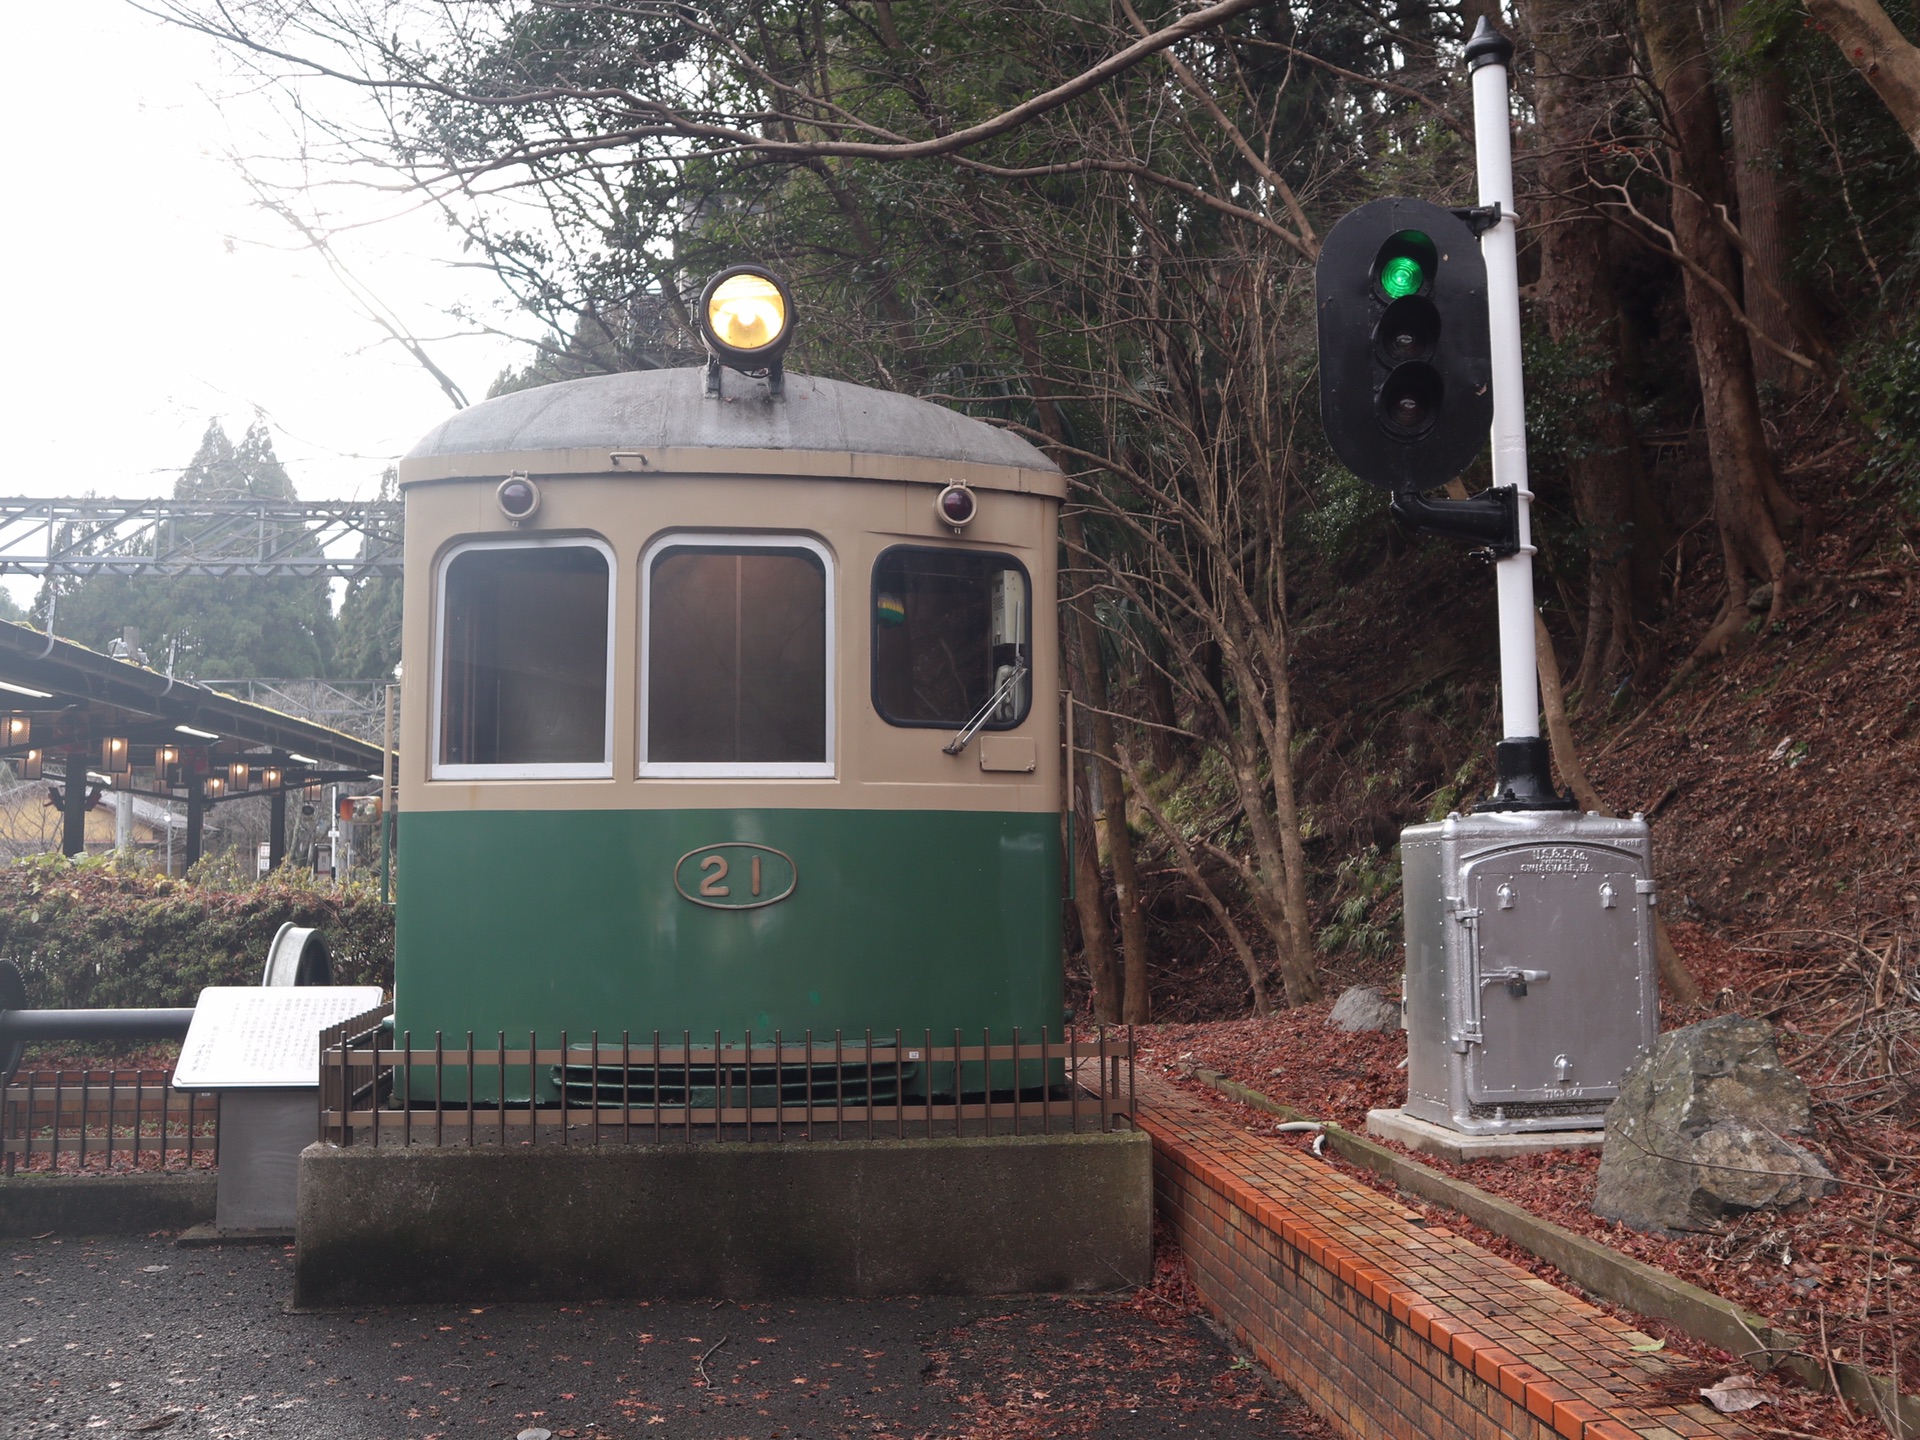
(277, 827)
(73, 809)
(196, 817)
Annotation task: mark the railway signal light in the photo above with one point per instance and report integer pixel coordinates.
(1406, 382)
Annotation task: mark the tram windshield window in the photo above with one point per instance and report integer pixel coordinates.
(950, 629)
(736, 664)
(525, 658)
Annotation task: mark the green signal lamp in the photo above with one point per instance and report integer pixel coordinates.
(1406, 265)
(1402, 276)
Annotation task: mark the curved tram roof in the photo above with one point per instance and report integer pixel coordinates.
(662, 420)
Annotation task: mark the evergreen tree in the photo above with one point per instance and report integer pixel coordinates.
(226, 626)
(368, 647)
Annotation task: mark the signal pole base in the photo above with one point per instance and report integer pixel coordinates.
(1430, 1139)
(1523, 770)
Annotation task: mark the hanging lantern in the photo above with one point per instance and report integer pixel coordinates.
(270, 777)
(214, 786)
(30, 765)
(237, 776)
(165, 757)
(311, 793)
(116, 756)
(19, 729)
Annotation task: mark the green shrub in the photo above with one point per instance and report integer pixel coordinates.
(91, 934)
(1361, 924)
(1888, 377)
(1347, 514)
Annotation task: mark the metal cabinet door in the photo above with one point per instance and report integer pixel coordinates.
(1555, 975)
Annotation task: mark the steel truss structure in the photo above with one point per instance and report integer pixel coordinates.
(357, 707)
(92, 536)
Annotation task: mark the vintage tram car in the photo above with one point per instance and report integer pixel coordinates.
(727, 713)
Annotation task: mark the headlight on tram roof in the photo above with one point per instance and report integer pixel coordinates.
(747, 312)
(746, 319)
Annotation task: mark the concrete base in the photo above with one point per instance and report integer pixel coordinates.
(1430, 1139)
(205, 1237)
(970, 1216)
(103, 1204)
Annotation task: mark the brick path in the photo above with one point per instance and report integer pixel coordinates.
(1387, 1325)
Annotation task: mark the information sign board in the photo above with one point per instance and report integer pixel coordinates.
(247, 1037)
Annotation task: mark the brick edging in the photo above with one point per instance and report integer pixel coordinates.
(1370, 1315)
(1616, 1278)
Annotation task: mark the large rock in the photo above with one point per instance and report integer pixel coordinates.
(1364, 1007)
(1700, 1130)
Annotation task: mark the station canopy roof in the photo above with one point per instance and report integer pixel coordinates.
(73, 699)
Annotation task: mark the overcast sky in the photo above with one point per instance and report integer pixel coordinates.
(148, 294)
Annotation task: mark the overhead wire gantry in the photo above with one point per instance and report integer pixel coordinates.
(347, 539)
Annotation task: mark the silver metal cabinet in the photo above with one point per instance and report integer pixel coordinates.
(1530, 981)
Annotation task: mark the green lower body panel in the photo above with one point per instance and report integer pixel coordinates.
(818, 920)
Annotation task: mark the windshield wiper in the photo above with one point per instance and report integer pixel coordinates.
(981, 716)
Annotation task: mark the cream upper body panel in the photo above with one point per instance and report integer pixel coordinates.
(852, 518)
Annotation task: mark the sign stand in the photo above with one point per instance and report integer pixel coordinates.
(259, 1050)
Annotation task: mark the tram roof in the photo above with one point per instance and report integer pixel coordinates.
(662, 420)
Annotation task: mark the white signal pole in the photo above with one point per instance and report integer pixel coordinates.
(1488, 54)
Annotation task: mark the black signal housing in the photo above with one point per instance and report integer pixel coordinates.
(1406, 370)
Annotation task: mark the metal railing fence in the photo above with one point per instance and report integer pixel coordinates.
(379, 1088)
(105, 1121)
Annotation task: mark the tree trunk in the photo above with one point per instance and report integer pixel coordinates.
(1750, 508)
(1089, 894)
(1769, 211)
(1297, 972)
(1472, 12)
(1161, 710)
(1680, 982)
(1135, 1000)
(1875, 47)
(1572, 94)
(1188, 861)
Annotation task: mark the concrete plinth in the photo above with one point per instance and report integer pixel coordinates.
(968, 1216)
(1431, 1139)
(103, 1204)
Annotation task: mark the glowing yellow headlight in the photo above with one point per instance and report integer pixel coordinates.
(747, 312)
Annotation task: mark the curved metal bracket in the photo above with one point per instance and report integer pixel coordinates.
(1491, 517)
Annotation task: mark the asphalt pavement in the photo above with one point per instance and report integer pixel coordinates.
(135, 1335)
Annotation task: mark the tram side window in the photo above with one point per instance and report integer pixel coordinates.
(951, 629)
(737, 659)
(525, 657)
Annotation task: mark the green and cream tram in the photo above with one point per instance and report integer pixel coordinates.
(727, 713)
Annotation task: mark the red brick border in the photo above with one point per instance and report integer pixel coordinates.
(1387, 1326)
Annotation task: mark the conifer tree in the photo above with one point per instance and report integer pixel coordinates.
(214, 627)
